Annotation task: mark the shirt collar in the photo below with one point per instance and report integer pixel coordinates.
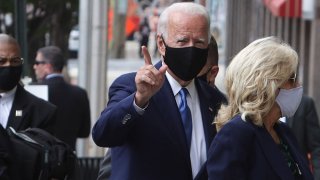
(175, 86)
(9, 94)
(53, 75)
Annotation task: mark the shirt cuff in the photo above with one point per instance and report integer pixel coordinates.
(139, 110)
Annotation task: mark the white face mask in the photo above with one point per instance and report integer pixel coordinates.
(289, 100)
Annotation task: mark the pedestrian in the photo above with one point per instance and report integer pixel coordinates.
(158, 121)
(251, 142)
(144, 30)
(73, 115)
(211, 69)
(305, 126)
(18, 108)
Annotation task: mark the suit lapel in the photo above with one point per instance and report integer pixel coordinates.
(299, 159)
(17, 112)
(273, 153)
(165, 103)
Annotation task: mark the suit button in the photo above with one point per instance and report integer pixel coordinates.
(126, 118)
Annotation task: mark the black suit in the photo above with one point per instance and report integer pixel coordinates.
(30, 111)
(73, 119)
(305, 126)
(4, 154)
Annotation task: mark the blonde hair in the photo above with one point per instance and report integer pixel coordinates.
(253, 77)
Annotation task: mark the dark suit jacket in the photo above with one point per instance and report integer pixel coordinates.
(35, 112)
(73, 116)
(152, 145)
(4, 154)
(242, 150)
(305, 126)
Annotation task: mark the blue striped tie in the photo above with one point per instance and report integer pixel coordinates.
(185, 115)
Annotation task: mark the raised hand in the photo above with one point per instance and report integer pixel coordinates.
(148, 79)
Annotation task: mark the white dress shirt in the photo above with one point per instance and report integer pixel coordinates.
(6, 102)
(198, 152)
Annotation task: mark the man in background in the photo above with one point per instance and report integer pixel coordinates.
(305, 126)
(210, 71)
(73, 119)
(18, 108)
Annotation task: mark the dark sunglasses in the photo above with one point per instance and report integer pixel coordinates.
(40, 62)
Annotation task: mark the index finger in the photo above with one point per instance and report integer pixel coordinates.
(146, 55)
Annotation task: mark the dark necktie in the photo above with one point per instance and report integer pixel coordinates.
(185, 115)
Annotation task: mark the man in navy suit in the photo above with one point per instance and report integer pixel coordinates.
(73, 114)
(142, 122)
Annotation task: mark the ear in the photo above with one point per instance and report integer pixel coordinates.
(213, 73)
(161, 46)
(48, 68)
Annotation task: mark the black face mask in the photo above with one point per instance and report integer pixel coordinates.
(185, 62)
(9, 77)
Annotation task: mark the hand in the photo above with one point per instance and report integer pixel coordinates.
(148, 79)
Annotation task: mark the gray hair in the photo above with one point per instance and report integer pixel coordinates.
(183, 7)
(54, 56)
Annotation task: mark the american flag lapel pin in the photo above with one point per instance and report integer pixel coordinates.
(210, 109)
(18, 113)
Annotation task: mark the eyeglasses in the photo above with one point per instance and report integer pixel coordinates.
(39, 62)
(15, 61)
(293, 78)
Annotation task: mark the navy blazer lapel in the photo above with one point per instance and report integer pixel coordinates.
(165, 103)
(273, 153)
(17, 112)
(297, 156)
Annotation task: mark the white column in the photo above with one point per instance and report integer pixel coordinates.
(92, 63)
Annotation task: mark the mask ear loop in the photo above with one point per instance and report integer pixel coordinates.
(165, 44)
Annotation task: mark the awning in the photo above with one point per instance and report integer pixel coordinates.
(284, 8)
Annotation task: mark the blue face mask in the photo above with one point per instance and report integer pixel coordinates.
(185, 62)
(289, 100)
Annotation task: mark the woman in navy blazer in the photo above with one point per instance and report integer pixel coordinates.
(251, 142)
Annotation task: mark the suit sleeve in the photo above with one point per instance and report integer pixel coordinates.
(228, 154)
(4, 154)
(117, 119)
(50, 120)
(85, 127)
(313, 137)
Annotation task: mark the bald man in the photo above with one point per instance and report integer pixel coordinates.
(18, 108)
(210, 71)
